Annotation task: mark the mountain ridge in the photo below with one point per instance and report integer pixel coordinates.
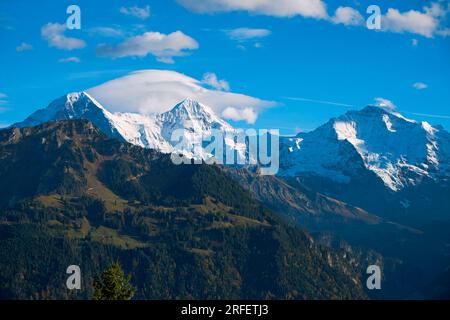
(398, 150)
(184, 232)
(404, 163)
(148, 131)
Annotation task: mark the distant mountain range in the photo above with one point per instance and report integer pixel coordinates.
(147, 131)
(370, 182)
(360, 157)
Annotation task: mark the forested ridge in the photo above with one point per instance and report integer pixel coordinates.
(71, 196)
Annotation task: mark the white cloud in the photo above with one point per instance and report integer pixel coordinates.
(24, 47)
(436, 10)
(3, 101)
(420, 85)
(69, 59)
(243, 34)
(412, 21)
(135, 11)
(426, 22)
(444, 32)
(385, 104)
(347, 16)
(53, 33)
(163, 47)
(429, 21)
(247, 114)
(155, 91)
(280, 8)
(106, 32)
(211, 80)
(96, 74)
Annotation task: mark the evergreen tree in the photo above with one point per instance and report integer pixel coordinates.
(113, 284)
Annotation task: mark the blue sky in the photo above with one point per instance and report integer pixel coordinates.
(308, 60)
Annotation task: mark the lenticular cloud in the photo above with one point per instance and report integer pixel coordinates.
(157, 91)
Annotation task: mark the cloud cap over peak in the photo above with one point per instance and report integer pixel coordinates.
(385, 104)
(157, 91)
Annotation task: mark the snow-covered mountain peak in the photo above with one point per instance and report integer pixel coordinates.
(191, 109)
(398, 150)
(376, 113)
(192, 106)
(75, 103)
(71, 106)
(148, 131)
(191, 114)
(196, 122)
